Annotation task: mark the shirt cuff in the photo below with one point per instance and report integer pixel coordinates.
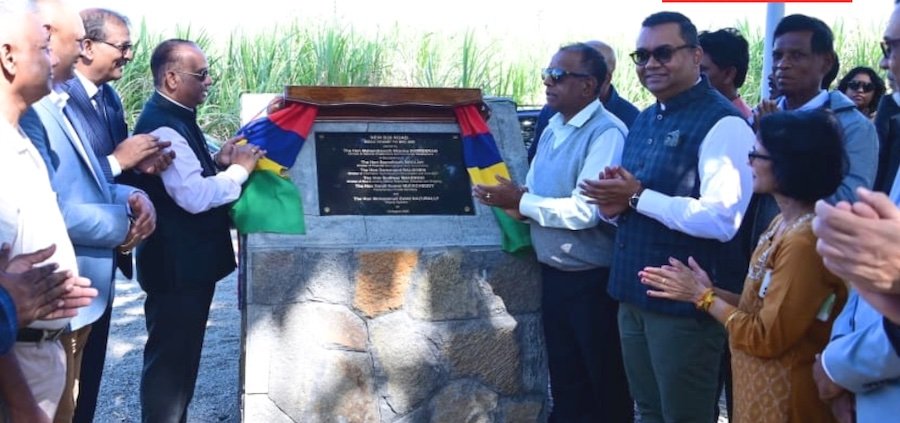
(825, 367)
(237, 173)
(528, 205)
(893, 334)
(114, 167)
(651, 200)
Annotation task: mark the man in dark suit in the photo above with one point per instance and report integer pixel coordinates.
(96, 107)
(178, 266)
(618, 106)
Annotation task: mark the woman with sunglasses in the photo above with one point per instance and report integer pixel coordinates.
(784, 315)
(864, 87)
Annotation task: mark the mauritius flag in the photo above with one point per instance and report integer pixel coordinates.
(484, 164)
(270, 201)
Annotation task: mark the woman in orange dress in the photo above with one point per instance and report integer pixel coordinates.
(783, 317)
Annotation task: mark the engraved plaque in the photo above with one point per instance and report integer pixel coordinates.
(366, 173)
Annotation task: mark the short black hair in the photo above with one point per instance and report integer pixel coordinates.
(877, 82)
(822, 37)
(164, 55)
(591, 59)
(807, 151)
(688, 30)
(726, 48)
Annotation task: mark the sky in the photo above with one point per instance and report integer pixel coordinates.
(526, 20)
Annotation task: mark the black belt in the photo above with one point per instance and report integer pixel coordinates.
(38, 335)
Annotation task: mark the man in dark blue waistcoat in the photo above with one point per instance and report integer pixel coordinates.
(681, 191)
(179, 264)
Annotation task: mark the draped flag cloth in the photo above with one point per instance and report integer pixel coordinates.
(484, 163)
(270, 202)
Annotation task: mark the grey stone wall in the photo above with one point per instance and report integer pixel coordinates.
(392, 318)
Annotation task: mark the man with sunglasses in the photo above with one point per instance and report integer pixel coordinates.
(681, 191)
(618, 106)
(887, 125)
(573, 245)
(803, 55)
(179, 264)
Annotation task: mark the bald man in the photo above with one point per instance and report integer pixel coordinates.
(620, 108)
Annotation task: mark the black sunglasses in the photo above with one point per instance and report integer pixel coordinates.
(865, 87)
(753, 155)
(201, 76)
(123, 48)
(556, 74)
(662, 54)
(888, 45)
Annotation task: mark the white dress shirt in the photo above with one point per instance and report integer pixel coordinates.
(574, 212)
(184, 181)
(726, 184)
(29, 213)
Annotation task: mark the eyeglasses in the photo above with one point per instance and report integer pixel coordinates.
(662, 54)
(865, 87)
(123, 48)
(557, 74)
(888, 45)
(753, 155)
(201, 76)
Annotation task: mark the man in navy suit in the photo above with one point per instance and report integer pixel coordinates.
(99, 215)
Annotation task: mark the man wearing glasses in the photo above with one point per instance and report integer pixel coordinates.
(95, 107)
(179, 264)
(572, 244)
(681, 191)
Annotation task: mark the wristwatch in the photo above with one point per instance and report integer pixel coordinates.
(633, 200)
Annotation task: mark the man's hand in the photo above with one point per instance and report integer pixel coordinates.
(79, 295)
(36, 291)
(223, 157)
(828, 390)
(860, 243)
(144, 214)
(275, 104)
(505, 195)
(611, 191)
(133, 150)
(157, 162)
(246, 156)
(765, 107)
(844, 408)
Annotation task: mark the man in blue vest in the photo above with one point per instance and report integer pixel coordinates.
(681, 191)
(573, 245)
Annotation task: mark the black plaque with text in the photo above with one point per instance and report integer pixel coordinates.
(392, 173)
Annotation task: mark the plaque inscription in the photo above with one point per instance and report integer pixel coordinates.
(367, 173)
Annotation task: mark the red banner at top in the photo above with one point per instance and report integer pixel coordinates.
(757, 1)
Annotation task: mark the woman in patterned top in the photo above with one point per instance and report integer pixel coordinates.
(783, 317)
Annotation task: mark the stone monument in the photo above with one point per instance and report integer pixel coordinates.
(398, 304)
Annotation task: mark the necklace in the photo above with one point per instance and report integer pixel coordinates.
(758, 268)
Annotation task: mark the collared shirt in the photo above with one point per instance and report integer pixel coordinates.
(60, 99)
(726, 183)
(574, 212)
(29, 213)
(91, 89)
(813, 103)
(184, 181)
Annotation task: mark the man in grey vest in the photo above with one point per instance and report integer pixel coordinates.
(573, 245)
(681, 191)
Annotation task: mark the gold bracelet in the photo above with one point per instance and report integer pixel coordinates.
(706, 299)
(730, 316)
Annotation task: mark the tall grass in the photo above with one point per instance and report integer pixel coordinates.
(331, 54)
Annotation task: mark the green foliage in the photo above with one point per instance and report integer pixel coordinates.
(330, 54)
